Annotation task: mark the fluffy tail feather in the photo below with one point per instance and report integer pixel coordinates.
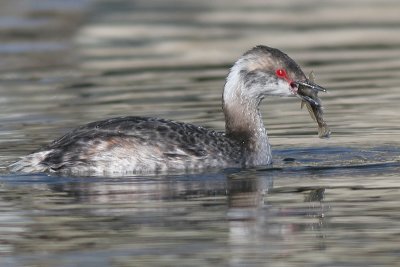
(31, 163)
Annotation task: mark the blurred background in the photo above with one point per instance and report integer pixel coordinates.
(331, 202)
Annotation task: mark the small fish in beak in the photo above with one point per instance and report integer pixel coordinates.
(308, 92)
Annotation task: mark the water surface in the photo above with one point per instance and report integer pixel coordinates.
(323, 202)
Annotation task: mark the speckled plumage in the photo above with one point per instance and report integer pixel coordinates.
(147, 145)
(131, 144)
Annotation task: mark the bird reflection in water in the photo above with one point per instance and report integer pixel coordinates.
(249, 212)
(257, 220)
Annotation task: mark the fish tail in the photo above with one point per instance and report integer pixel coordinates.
(324, 131)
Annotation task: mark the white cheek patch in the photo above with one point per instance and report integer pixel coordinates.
(282, 88)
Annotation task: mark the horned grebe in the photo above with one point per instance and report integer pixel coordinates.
(142, 145)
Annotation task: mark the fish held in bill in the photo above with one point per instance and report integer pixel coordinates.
(308, 93)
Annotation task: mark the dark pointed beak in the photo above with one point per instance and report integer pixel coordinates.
(308, 91)
(311, 85)
(309, 100)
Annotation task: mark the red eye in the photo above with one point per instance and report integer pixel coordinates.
(281, 73)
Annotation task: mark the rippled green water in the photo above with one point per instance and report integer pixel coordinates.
(323, 203)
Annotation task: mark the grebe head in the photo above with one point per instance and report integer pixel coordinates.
(264, 71)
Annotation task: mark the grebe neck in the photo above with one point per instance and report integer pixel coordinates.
(243, 121)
